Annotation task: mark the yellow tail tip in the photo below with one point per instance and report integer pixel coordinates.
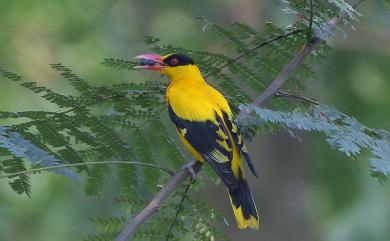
(243, 222)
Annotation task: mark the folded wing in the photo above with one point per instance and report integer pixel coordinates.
(212, 141)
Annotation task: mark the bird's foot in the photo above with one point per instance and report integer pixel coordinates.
(189, 167)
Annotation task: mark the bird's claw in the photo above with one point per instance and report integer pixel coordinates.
(189, 167)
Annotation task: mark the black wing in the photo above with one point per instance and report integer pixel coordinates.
(211, 139)
(239, 141)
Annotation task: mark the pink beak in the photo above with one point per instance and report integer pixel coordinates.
(150, 62)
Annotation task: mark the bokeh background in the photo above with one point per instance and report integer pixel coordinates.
(306, 191)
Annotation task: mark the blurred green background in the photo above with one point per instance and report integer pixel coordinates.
(306, 191)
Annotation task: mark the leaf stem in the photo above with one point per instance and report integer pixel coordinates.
(33, 170)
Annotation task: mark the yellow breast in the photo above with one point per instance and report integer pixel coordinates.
(195, 101)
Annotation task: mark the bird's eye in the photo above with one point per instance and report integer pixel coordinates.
(174, 62)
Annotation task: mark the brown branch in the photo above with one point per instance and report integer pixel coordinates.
(231, 61)
(277, 84)
(129, 229)
(153, 206)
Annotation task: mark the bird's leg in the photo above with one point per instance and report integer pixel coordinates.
(189, 167)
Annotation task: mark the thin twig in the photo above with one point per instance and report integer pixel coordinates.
(152, 207)
(179, 209)
(129, 229)
(287, 94)
(262, 44)
(33, 170)
(253, 49)
(277, 84)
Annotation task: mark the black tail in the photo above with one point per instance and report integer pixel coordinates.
(244, 207)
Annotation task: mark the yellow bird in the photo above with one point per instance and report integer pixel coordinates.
(205, 125)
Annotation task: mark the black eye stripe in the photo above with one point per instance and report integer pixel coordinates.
(178, 60)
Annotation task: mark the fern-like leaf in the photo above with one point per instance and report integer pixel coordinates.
(343, 132)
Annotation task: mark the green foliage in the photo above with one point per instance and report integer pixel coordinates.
(119, 63)
(97, 176)
(123, 122)
(343, 132)
(244, 77)
(317, 15)
(195, 216)
(108, 225)
(16, 148)
(204, 222)
(21, 184)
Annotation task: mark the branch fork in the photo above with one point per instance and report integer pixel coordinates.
(274, 89)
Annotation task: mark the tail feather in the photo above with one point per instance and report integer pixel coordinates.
(249, 162)
(244, 207)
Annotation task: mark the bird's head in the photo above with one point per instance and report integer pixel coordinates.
(172, 65)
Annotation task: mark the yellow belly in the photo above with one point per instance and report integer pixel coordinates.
(190, 149)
